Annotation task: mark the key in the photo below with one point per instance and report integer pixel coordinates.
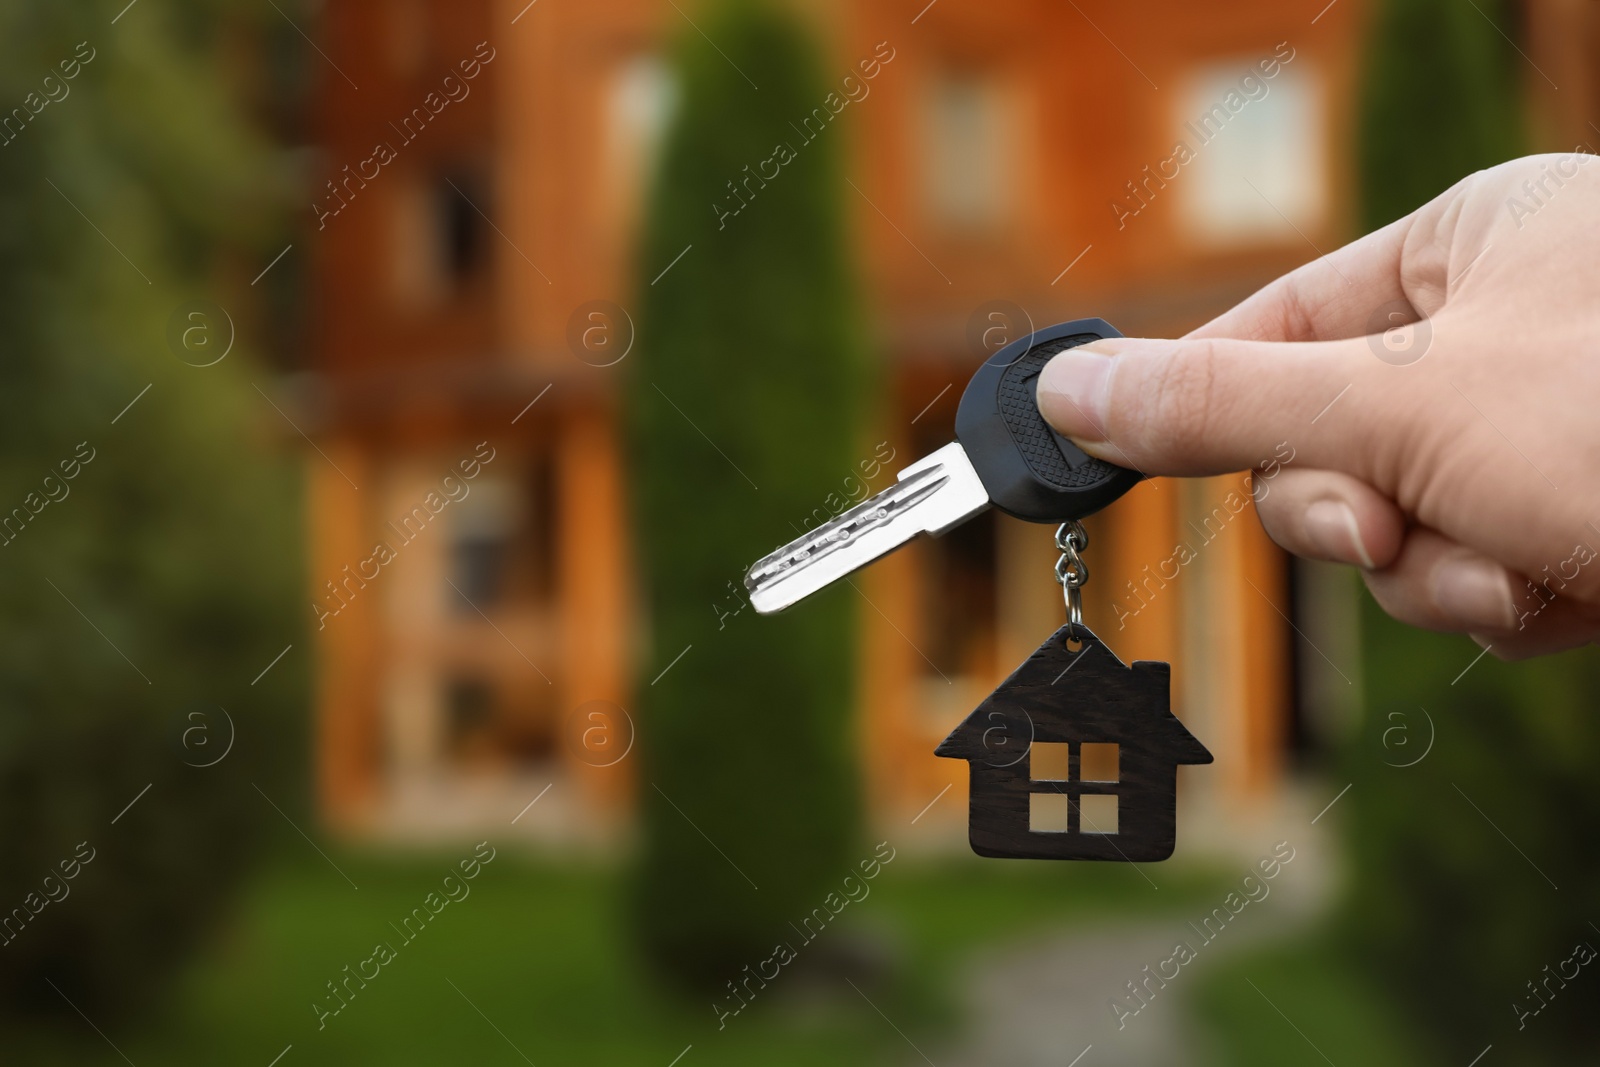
(1004, 455)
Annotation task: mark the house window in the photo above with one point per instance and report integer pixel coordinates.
(469, 718)
(439, 239)
(536, 544)
(479, 564)
(458, 197)
(1050, 805)
(481, 529)
(638, 104)
(969, 140)
(1257, 171)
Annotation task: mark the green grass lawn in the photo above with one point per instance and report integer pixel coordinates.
(1302, 1002)
(534, 966)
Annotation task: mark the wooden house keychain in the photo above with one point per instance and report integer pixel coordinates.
(1075, 756)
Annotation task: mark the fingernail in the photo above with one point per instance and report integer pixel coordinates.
(1073, 393)
(1332, 527)
(1504, 655)
(1474, 592)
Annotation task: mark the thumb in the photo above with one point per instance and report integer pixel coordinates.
(1201, 406)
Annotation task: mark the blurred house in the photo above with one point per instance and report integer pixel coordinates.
(1016, 161)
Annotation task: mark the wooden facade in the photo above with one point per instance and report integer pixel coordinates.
(1015, 155)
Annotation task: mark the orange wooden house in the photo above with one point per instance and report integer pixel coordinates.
(1016, 161)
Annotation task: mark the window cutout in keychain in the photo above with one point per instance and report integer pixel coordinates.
(1049, 813)
(1097, 813)
(1099, 763)
(1048, 762)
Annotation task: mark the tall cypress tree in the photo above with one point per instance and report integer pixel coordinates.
(1439, 101)
(744, 404)
(1450, 920)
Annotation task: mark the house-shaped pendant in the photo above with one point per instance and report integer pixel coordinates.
(1075, 757)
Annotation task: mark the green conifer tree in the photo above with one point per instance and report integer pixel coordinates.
(1439, 100)
(745, 399)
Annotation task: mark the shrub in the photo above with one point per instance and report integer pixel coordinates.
(159, 580)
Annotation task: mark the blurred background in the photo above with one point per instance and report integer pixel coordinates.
(397, 392)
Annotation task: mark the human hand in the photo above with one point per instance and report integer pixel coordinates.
(1461, 471)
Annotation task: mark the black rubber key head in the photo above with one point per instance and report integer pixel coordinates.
(1031, 471)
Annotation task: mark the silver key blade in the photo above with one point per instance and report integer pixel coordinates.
(930, 496)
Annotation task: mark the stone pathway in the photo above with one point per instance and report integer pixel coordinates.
(1048, 1001)
(1044, 1003)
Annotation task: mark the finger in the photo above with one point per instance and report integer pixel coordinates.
(1211, 405)
(1331, 298)
(1330, 516)
(1156, 413)
(1437, 584)
(1560, 625)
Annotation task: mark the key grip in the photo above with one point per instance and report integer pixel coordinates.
(1029, 470)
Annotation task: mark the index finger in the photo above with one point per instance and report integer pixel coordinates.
(1331, 298)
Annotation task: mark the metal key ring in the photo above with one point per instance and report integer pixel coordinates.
(1072, 572)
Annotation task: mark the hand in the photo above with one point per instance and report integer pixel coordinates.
(1456, 461)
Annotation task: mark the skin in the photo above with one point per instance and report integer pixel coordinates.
(1460, 464)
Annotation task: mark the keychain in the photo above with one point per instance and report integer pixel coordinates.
(1075, 756)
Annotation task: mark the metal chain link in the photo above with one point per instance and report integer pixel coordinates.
(1071, 571)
